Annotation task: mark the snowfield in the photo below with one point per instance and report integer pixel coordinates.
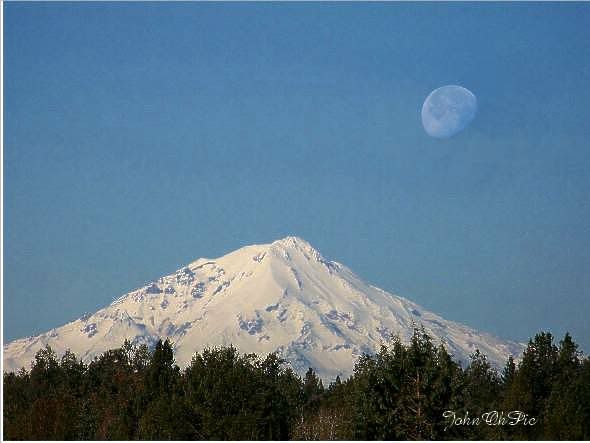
(284, 297)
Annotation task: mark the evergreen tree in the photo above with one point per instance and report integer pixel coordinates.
(532, 385)
(398, 393)
(563, 416)
(508, 372)
(313, 390)
(161, 371)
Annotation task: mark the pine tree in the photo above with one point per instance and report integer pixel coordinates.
(313, 389)
(532, 385)
(508, 372)
(161, 370)
(399, 393)
(563, 418)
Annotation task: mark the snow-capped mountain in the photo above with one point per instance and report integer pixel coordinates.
(284, 296)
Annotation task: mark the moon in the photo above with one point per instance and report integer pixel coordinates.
(448, 110)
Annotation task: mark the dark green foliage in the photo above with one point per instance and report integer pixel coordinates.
(313, 389)
(400, 393)
(532, 384)
(481, 392)
(242, 396)
(508, 372)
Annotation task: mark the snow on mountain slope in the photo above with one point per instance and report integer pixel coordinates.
(281, 297)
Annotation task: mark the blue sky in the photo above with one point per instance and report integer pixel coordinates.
(139, 137)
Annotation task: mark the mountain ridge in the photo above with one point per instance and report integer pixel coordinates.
(283, 297)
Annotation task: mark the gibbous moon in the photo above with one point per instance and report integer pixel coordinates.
(448, 110)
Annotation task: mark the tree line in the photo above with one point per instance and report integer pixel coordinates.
(412, 391)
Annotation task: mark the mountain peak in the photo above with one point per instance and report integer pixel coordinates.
(297, 244)
(280, 297)
(292, 242)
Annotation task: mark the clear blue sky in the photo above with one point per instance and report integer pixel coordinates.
(139, 137)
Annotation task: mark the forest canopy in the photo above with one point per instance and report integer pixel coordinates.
(404, 391)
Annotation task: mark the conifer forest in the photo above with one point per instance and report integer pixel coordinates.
(411, 391)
